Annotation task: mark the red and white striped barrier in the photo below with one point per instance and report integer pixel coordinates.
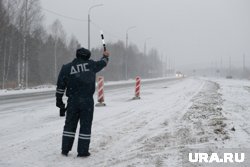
(137, 88)
(100, 85)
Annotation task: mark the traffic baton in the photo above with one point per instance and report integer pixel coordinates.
(103, 41)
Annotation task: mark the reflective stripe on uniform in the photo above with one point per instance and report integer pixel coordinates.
(84, 136)
(60, 91)
(69, 135)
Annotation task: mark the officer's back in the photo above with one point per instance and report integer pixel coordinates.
(78, 77)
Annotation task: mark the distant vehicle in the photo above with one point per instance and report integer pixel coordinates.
(179, 74)
(229, 77)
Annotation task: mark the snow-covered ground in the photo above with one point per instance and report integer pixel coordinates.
(42, 88)
(160, 129)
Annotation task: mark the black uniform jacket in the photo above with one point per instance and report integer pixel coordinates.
(78, 77)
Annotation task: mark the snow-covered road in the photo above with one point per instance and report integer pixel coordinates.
(170, 119)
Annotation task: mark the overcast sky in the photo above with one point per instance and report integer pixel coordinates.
(193, 32)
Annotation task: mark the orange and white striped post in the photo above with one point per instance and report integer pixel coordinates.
(137, 88)
(100, 85)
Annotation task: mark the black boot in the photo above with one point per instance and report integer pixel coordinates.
(86, 154)
(65, 153)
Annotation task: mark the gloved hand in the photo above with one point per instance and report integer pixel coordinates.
(62, 112)
(106, 54)
(59, 103)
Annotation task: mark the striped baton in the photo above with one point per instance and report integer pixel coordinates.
(103, 42)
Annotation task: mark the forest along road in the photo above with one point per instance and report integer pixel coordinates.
(19, 98)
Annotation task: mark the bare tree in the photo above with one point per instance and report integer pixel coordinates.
(26, 47)
(4, 20)
(28, 18)
(73, 45)
(58, 34)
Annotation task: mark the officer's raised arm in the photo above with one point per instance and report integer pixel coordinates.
(103, 62)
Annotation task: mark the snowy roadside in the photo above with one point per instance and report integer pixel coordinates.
(236, 108)
(41, 88)
(170, 120)
(220, 117)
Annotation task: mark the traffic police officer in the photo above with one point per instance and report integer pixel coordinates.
(77, 78)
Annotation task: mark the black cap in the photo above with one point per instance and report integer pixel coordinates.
(83, 53)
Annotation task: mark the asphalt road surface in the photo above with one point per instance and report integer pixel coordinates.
(18, 98)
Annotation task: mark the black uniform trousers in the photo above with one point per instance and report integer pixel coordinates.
(78, 109)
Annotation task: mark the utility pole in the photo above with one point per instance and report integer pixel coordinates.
(24, 45)
(26, 48)
(4, 57)
(27, 72)
(244, 66)
(166, 66)
(162, 66)
(89, 30)
(55, 55)
(145, 45)
(221, 66)
(174, 69)
(230, 70)
(90, 21)
(169, 65)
